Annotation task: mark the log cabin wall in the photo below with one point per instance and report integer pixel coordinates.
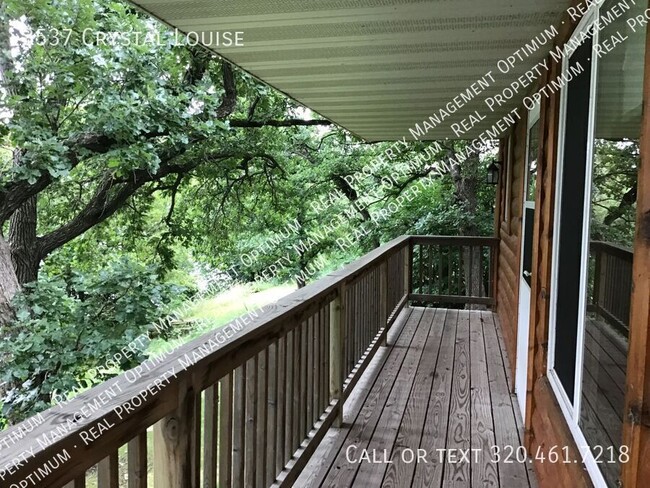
(545, 426)
(636, 426)
(512, 191)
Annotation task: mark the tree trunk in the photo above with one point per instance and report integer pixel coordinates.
(8, 283)
(467, 181)
(25, 254)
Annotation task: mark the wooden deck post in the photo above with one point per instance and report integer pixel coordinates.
(636, 426)
(175, 445)
(337, 326)
(383, 299)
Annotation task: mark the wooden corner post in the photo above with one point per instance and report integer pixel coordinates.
(337, 328)
(636, 426)
(175, 444)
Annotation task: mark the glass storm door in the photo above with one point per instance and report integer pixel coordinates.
(526, 272)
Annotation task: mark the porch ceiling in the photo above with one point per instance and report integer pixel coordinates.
(375, 67)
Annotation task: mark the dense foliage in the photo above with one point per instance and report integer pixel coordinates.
(67, 330)
(131, 173)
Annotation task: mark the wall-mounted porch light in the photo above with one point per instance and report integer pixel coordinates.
(493, 173)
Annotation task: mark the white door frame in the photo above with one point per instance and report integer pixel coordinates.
(523, 307)
(571, 409)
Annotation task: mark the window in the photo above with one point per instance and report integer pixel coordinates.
(600, 124)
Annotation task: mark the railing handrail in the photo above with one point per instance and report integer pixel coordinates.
(210, 363)
(613, 249)
(261, 332)
(455, 240)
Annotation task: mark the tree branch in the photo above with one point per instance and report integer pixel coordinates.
(278, 123)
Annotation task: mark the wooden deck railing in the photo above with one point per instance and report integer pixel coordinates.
(453, 270)
(250, 410)
(612, 283)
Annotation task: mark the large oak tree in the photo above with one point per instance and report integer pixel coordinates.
(96, 123)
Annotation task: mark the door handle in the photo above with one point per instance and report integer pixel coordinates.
(527, 274)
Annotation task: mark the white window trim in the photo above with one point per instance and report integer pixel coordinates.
(571, 410)
(509, 163)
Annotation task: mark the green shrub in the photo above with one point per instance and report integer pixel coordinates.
(66, 332)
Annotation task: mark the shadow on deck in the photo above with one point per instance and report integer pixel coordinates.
(428, 411)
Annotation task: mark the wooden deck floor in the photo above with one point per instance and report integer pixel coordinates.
(603, 383)
(440, 390)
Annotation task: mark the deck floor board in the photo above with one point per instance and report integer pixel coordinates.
(441, 383)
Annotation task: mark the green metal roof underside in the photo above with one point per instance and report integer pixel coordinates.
(375, 67)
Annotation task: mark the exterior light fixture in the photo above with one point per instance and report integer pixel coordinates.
(493, 173)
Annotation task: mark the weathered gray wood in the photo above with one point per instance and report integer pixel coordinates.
(137, 459)
(175, 444)
(205, 370)
(611, 419)
(288, 420)
(317, 408)
(281, 408)
(483, 469)
(108, 472)
(296, 431)
(459, 428)
(596, 435)
(434, 436)
(380, 412)
(210, 433)
(270, 448)
(77, 483)
(337, 314)
(287, 477)
(239, 427)
(418, 364)
(261, 416)
(342, 472)
(503, 404)
(251, 456)
(435, 299)
(383, 298)
(225, 430)
(400, 472)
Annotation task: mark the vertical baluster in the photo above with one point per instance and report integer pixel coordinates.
(272, 413)
(239, 427)
(325, 356)
(297, 412)
(348, 329)
(261, 421)
(471, 285)
(281, 409)
(317, 399)
(288, 425)
(310, 374)
(225, 430)
(408, 271)
(420, 276)
(211, 430)
(250, 456)
(108, 472)
(355, 324)
(383, 299)
(459, 270)
(79, 482)
(303, 381)
(137, 462)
